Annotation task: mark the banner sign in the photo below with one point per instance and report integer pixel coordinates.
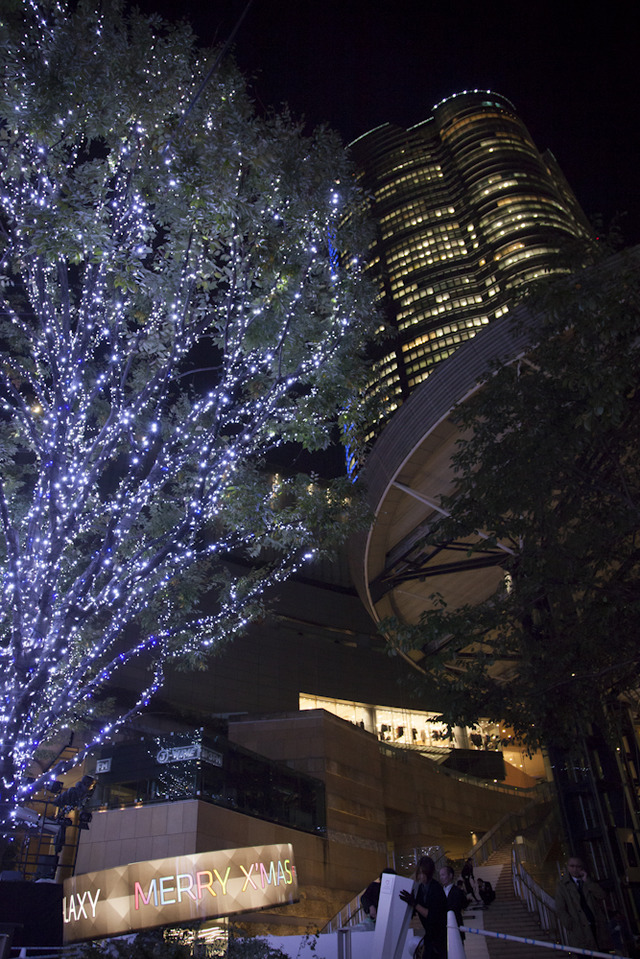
(164, 892)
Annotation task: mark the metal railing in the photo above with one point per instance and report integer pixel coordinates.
(536, 899)
(350, 915)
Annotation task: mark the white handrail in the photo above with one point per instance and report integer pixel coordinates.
(536, 898)
(538, 942)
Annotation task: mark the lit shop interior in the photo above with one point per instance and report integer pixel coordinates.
(424, 732)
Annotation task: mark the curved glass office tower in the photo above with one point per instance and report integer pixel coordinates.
(466, 210)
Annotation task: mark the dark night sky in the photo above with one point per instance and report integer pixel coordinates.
(571, 69)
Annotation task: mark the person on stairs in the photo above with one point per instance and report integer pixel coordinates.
(467, 878)
(487, 893)
(580, 908)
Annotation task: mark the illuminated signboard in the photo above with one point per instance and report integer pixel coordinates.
(163, 892)
(181, 754)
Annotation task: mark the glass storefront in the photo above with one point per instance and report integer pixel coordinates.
(187, 766)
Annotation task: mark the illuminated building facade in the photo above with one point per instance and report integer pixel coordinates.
(466, 211)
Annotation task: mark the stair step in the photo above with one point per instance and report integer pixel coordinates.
(507, 915)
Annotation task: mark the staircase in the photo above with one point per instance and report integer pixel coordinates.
(506, 914)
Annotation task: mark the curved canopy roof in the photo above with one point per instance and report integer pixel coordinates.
(407, 473)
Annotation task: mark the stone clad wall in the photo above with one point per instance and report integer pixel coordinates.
(378, 795)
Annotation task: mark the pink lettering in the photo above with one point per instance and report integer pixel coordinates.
(139, 894)
(200, 884)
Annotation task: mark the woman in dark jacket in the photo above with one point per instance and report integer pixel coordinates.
(430, 903)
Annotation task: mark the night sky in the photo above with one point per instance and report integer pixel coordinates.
(571, 70)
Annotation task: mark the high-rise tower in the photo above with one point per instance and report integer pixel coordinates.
(466, 211)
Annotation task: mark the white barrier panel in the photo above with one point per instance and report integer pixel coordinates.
(392, 919)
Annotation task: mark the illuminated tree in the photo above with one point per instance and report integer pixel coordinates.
(173, 309)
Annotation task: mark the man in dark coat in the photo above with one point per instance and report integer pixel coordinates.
(456, 899)
(580, 908)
